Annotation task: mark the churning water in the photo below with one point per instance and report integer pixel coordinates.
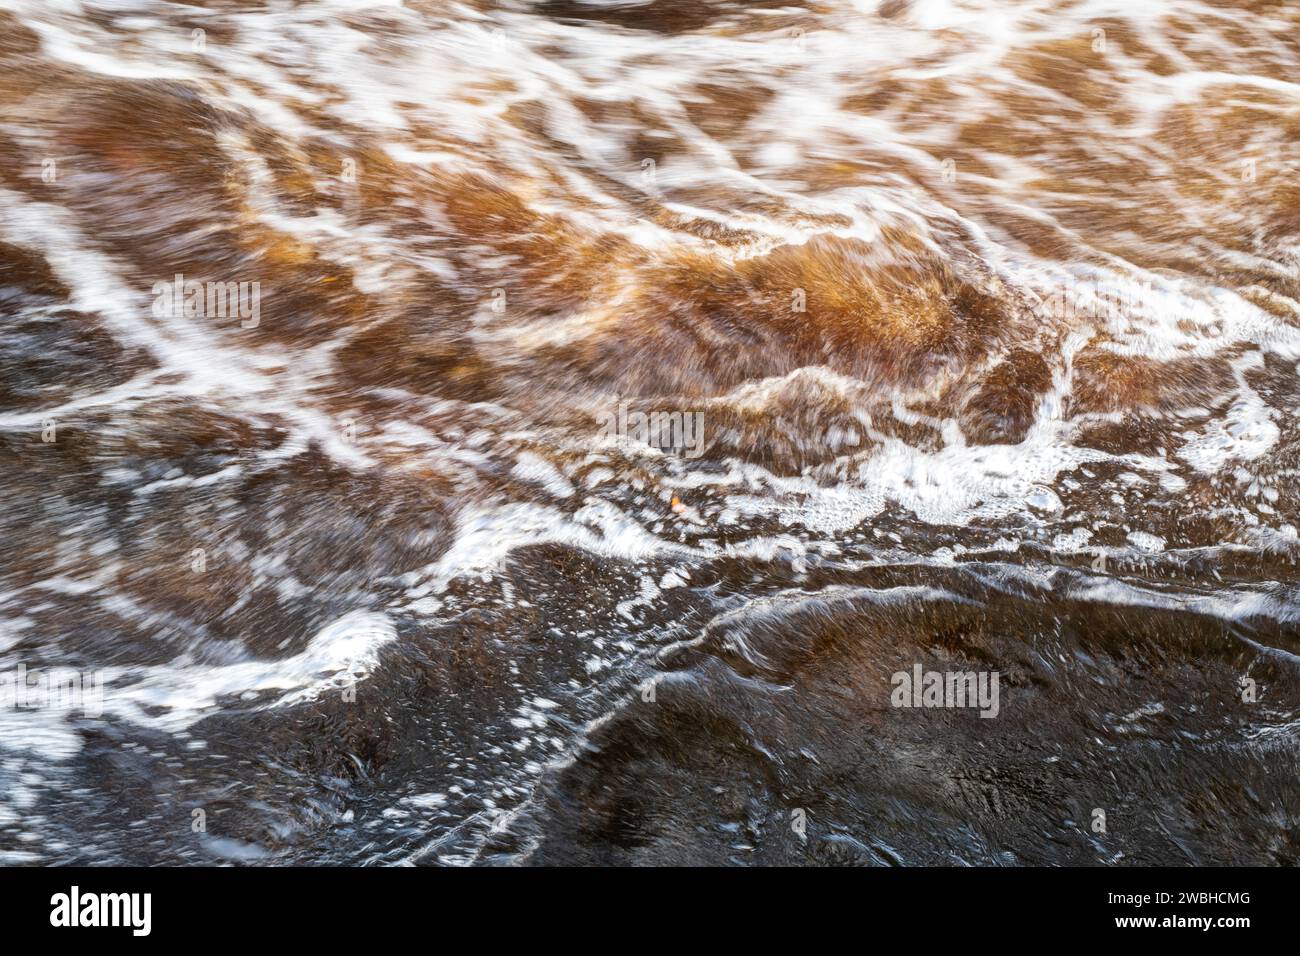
(499, 431)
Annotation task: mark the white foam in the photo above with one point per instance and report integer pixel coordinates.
(173, 697)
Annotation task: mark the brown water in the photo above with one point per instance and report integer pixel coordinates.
(986, 317)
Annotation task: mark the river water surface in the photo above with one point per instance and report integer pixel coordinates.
(987, 319)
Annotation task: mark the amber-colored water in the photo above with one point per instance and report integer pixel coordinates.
(987, 319)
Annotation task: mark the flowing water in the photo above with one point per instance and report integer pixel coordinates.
(974, 328)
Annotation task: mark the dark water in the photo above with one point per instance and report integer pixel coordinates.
(973, 330)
